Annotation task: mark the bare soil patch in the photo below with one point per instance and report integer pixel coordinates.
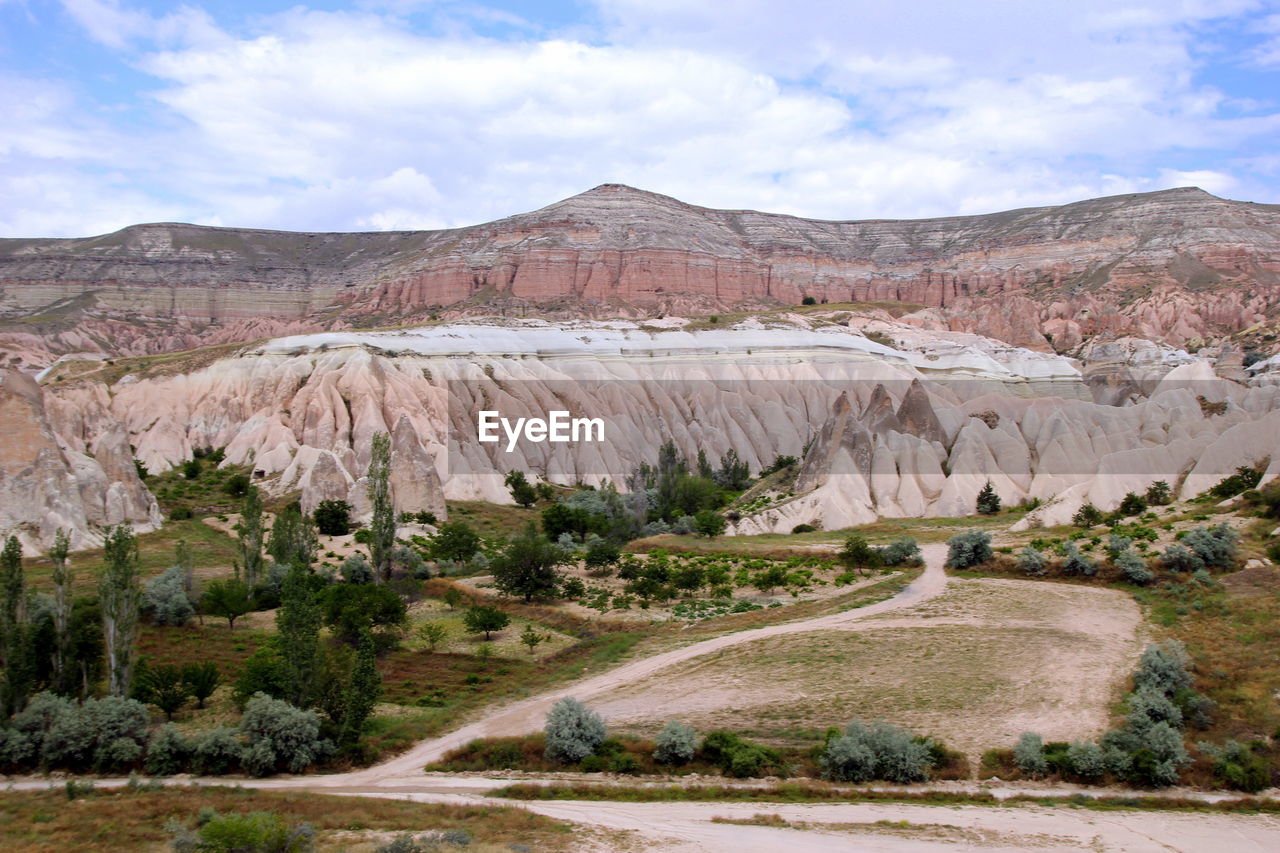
(976, 666)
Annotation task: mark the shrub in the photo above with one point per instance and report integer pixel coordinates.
(737, 756)
(808, 300)
(1243, 479)
(877, 751)
(356, 569)
(1086, 760)
(255, 832)
(1238, 767)
(600, 553)
(333, 518)
(1131, 504)
(165, 597)
(278, 735)
(709, 523)
(1075, 563)
(1148, 705)
(1165, 668)
(971, 548)
(858, 554)
(1088, 516)
(191, 469)
(1216, 546)
(988, 501)
(168, 752)
(181, 513)
(1031, 561)
(1133, 567)
(203, 678)
(676, 743)
(573, 731)
(1028, 755)
(216, 751)
(17, 752)
(1179, 558)
(901, 552)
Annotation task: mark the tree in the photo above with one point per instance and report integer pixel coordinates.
(455, 541)
(15, 636)
(433, 634)
(362, 691)
(532, 638)
(121, 597)
(709, 523)
(733, 474)
(165, 596)
(675, 744)
(293, 537)
(382, 527)
(1087, 516)
(165, 687)
(988, 500)
(573, 731)
(1131, 504)
(485, 619)
(1159, 493)
(227, 598)
(521, 491)
(453, 597)
(237, 485)
(333, 518)
(298, 635)
(527, 566)
(858, 554)
(352, 610)
(63, 604)
(249, 531)
(203, 679)
(600, 553)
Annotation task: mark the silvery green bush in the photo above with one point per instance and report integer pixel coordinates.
(676, 743)
(573, 731)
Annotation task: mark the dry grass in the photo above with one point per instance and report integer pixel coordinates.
(975, 667)
(45, 822)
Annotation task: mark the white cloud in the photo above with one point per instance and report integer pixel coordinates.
(323, 120)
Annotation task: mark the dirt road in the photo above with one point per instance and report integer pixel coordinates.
(529, 715)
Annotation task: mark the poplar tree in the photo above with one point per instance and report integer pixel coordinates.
(120, 596)
(362, 691)
(298, 636)
(15, 648)
(382, 528)
(249, 529)
(63, 602)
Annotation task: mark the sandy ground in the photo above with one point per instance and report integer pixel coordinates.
(976, 666)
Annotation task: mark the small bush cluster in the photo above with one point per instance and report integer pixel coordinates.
(878, 751)
(971, 548)
(573, 730)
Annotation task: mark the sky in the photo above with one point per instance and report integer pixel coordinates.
(408, 114)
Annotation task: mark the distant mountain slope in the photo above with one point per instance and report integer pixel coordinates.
(1176, 266)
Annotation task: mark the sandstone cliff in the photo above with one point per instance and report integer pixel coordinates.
(1172, 266)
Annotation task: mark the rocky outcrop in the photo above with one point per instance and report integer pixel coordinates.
(881, 431)
(1171, 266)
(80, 481)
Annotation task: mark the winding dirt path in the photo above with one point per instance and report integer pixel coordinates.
(528, 715)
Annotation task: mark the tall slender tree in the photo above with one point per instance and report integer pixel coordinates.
(293, 537)
(120, 595)
(362, 691)
(15, 645)
(382, 528)
(183, 559)
(63, 602)
(249, 529)
(298, 635)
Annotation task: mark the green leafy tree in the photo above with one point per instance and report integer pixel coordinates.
(433, 634)
(382, 527)
(120, 595)
(988, 500)
(227, 598)
(1132, 504)
(532, 638)
(333, 517)
(455, 541)
(165, 686)
(709, 523)
(1088, 516)
(1159, 493)
(857, 553)
(527, 567)
(293, 537)
(353, 610)
(454, 597)
(485, 619)
(63, 604)
(363, 690)
(203, 679)
(249, 530)
(521, 491)
(298, 621)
